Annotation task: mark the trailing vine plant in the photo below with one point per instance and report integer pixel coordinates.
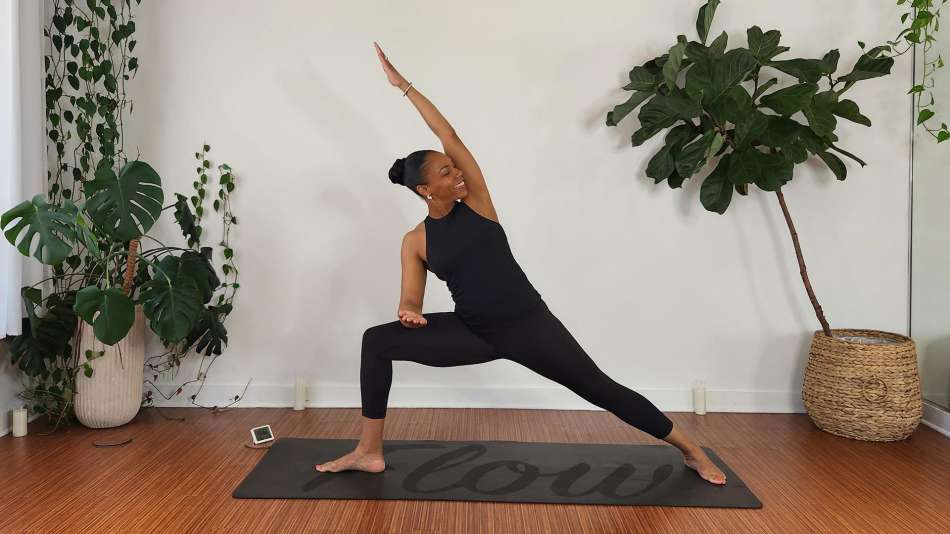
(922, 22)
(208, 337)
(86, 232)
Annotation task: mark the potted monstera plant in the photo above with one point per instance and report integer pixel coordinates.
(114, 289)
(727, 109)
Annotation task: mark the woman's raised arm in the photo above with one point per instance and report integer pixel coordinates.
(437, 123)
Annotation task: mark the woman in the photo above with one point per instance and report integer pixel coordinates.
(498, 313)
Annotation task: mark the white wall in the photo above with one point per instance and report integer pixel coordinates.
(930, 314)
(656, 289)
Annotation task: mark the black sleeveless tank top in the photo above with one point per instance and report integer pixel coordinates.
(471, 254)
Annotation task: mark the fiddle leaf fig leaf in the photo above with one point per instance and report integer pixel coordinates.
(790, 99)
(869, 66)
(745, 117)
(694, 155)
(829, 63)
(763, 88)
(764, 46)
(663, 164)
(774, 172)
(671, 68)
(750, 127)
(641, 79)
(661, 112)
(835, 164)
(718, 75)
(819, 113)
(744, 167)
(718, 47)
(716, 191)
(705, 18)
(613, 117)
(848, 109)
(806, 70)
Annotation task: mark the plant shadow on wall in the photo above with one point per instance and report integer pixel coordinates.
(726, 109)
(90, 226)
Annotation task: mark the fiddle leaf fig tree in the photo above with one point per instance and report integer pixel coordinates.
(749, 114)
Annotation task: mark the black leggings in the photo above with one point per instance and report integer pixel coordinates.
(537, 341)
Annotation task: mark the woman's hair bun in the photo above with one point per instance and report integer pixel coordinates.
(398, 171)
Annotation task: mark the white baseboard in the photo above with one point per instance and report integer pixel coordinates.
(519, 397)
(937, 418)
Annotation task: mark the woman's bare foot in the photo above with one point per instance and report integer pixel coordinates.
(698, 461)
(694, 457)
(356, 460)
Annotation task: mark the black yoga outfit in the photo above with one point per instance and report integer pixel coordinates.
(498, 314)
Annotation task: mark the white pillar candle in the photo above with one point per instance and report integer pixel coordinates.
(699, 397)
(19, 422)
(300, 393)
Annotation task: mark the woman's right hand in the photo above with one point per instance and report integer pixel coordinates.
(391, 73)
(411, 319)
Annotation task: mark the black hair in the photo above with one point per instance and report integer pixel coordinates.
(407, 171)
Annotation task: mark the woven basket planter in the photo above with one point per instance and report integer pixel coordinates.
(863, 384)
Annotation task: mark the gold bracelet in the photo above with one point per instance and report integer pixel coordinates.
(407, 89)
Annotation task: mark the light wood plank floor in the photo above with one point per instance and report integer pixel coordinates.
(178, 475)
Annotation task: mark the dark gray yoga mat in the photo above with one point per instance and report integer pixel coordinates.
(501, 471)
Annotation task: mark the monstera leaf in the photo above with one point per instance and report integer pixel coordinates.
(186, 220)
(53, 223)
(44, 338)
(116, 312)
(198, 267)
(126, 206)
(172, 299)
(210, 332)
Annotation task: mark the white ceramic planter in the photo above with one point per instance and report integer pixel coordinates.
(113, 394)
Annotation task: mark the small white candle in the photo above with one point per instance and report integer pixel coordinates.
(699, 397)
(300, 393)
(19, 422)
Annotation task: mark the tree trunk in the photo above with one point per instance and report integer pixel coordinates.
(801, 265)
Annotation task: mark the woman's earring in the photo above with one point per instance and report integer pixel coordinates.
(429, 197)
